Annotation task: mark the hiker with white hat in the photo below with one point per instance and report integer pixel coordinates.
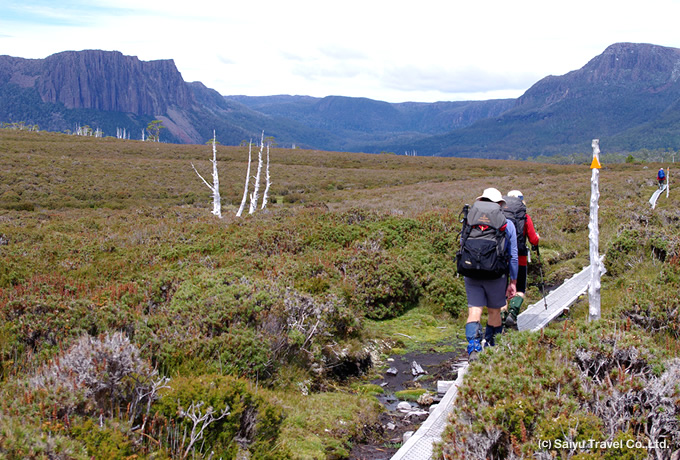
(515, 210)
(488, 261)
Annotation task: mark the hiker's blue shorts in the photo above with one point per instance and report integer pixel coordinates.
(486, 293)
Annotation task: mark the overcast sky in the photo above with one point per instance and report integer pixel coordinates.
(394, 51)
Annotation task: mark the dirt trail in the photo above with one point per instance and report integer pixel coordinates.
(386, 439)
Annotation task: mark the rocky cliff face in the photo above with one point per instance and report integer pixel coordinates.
(110, 81)
(101, 80)
(51, 92)
(622, 67)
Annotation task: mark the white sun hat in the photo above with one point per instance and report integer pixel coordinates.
(516, 194)
(492, 194)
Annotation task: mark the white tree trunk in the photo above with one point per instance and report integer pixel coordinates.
(254, 197)
(245, 188)
(265, 196)
(217, 202)
(215, 187)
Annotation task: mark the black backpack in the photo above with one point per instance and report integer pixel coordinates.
(516, 211)
(482, 252)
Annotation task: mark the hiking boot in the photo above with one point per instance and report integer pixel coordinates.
(473, 348)
(473, 334)
(474, 345)
(513, 312)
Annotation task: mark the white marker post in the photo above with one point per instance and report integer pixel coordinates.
(594, 233)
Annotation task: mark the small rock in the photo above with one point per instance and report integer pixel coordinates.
(391, 426)
(433, 407)
(416, 414)
(392, 371)
(416, 369)
(407, 435)
(404, 406)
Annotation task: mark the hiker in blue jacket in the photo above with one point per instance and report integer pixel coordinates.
(491, 293)
(661, 177)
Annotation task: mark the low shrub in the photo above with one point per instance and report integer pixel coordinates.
(241, 419)
(19, 438)
(447, 291)
(384, 285)
(99, 376)
(543, 391)
(107, 441)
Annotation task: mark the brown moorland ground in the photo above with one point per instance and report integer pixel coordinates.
(278, 315)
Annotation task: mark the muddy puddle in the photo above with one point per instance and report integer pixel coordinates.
(399, 375)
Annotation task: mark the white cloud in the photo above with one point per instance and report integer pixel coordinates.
(386, 50)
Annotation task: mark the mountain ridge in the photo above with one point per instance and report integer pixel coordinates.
(628, 95)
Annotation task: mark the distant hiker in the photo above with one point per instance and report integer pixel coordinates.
(488, 261)
(515, 210)
(661, 177)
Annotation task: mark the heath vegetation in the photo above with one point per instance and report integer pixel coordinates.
(135, 324)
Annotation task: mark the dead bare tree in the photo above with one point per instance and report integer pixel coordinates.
(215, 187)
(265, 196)
(245, 188)
(254, 197)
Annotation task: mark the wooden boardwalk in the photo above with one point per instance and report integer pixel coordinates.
(421, 445)
(538, 315)
(656, 195)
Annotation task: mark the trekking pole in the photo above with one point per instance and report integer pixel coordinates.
(540, 269)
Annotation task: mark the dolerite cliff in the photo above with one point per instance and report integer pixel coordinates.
(107, 90)
(130, 85)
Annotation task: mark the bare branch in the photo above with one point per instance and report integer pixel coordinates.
(200, 422)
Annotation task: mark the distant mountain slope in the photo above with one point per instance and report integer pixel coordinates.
(367, 125)
(367, 115)
(629, 97)
(108, 90)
